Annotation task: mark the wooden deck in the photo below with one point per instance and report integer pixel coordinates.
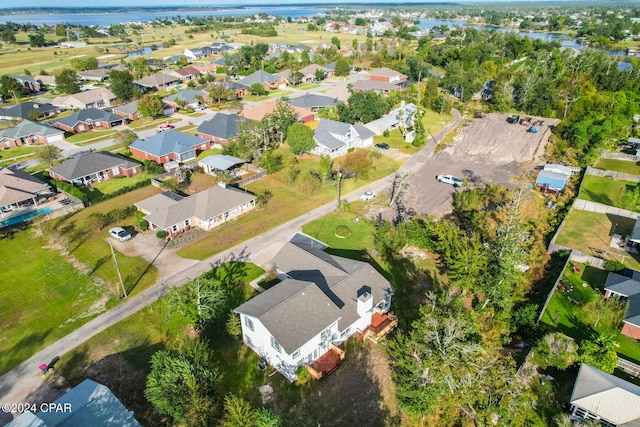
(327, 363)
(381, 325)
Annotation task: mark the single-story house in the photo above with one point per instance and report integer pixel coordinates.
(158, 81)
(313, 102)
(89, 403)
(29, 133)
(377, 86)
(221, 129)
(238, 88)
(129, 110)
(339, 92)
(322, 300)
(217, 163)
(94, 98)
(309, 72)
(401, 117)
(29, 84)
(24, 110)
(388, 75)
(18, 188)
(336, 138)
(626, 288)
(269, 81)
(605, 398)
(96, 166)
(91, 118)
(219, 48)
(257, 112)
(47, 81)
(98, 75)
(168, 146)
(198, 52)
(553, 178)
(188, 98)
(207, 209)
(186, 73)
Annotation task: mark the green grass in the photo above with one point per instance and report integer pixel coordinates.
(41, 300)
(95, 135)
(19, 151)
(146, 123)
(113, 185)
(623, 166)
(568, 318)
(591, 233)
(277, 93)
(605, 190)
(307, 86)
(324, 229)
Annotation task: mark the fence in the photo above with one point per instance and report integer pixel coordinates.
(612, 174)
(620, 156)
(585, 205)
(629, 367)
(251, 178)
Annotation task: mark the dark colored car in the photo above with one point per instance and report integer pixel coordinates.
(513, 119)
(383, 145)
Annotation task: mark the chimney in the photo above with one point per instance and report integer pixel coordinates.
(365, 304)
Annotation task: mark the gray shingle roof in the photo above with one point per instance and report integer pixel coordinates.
(23, 109)
(157, 80)
(374, 85)
(221, 161)
(28, 128)
(17, 185)
(313, 101)
(90, 115)
(128, 108)
(222, 125)
(612, 398)
(189, 96)
(622, 285)
(325, 139)
(259, 76)
(91, 163)
(167, 142)
(633, 313)
(363, 132)
(323, 289)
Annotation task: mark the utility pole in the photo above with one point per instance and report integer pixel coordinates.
(115, 262)
(339, 186)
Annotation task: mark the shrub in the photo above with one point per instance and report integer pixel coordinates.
(385, 133)
(71, 189)
(143, 224)
(161, 234)
(613, 265)
(302, 376)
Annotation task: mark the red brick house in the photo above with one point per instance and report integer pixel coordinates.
(93, 167)
(91, 118)
(221, 129)
(29, 133)
(169, 146)
(388, 75)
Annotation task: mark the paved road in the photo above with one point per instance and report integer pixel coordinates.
(21, 382)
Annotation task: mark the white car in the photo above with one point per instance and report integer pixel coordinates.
(368, 195)
(449, 179)
(120, 233)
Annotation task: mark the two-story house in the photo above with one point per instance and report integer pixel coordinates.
(336, 138)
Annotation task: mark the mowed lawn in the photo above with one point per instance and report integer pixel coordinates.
(605, 190)
(41, 300)
(591, 233)
(623, 166)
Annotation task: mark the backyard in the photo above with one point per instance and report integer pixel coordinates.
(569, 317)
(105, 188)
(623, 166)
(605, 190)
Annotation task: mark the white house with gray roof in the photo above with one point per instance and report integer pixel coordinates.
(626, 288)
(336, 138)
(605, 398)
(322, 300)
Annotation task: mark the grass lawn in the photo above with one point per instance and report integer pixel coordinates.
(41, 300)
(307, 86)
(83, 138)
(619, 166)
(146, 123)
(19, 151)
(605, 190)
(288, 202)
(568, 318)
(359, 235)
(209, 152)
(277, 93)
(115, 184)
(591, 232)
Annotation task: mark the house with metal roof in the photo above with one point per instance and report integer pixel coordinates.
(205, 210)
(24, 110)
(313, 102)
(94, 98)
(269, 81)
(96, 166)
(336, 138)
(322, 300)
(217, 163)
(626, 288)
(29, 133)
(87, 404)
(551, 182)
(168, 146)
(221, 129)
(88, 119)
(605, 398)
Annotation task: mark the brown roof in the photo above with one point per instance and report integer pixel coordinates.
(16, 186)
(386, 72)
(187, 71)
(86, 97)
(258, 112)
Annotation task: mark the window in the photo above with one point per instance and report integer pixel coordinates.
(345, 332)
(186, 222)
(275, 344)
(248, 323)
(295, 354)
(174, 228)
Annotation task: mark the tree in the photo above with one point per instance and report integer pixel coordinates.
(304, 57)
(9, 87)
(556, 350)
(295, 77)
(220, 93)
(125, 137)
(258, 89)
(67, 81)
(357, 163)
(199, 301)
(84, 63)
(271, 161)
(319, 74)
(364, 107)
(237, 412)
(122, 86)
(48, 154)
(600, 357)
(61, 30)
(150, 106)
(335, 41)
(33, 115)
(265, 417)
(233, 325)
(36, 40)
(342, 67)
(300, 138)
(325, 166)
(8, 36)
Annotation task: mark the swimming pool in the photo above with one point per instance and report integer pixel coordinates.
(21, 218)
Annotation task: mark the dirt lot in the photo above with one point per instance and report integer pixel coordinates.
(485, 150)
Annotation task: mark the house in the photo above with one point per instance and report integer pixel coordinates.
(197, 53)
(210, 68)
(91, 118)
(25, 110)
(336, 138)
(29, 84)
(29, 133)
(72, 45)
(159, 81)
(18, 188)
(96, 166)
(553, 178)
(47, 81)
(387, 75)
(168, 146)
(269, 81)
(626, 288)
(219, 163)
(186, 74)
(189, 98)
(205, 210)
(94, 98)
(219, 48)
(339, 92)
(377, 86)
(605, 398)
(221, 129)
(313, 102)
(239, 89)
(129, 110)
(309, 72)
(398, 118)
(257, 112)
(98, 75)
(321, 301)
(89, 403)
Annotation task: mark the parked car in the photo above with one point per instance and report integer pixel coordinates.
(368, 195)
(200, 108)
(166, 126)
(383, 145)
(514, 119)
(449, 179)
(120, 234)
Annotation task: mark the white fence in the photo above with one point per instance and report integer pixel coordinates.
(620, 156)
(612, 174)
(585, 205)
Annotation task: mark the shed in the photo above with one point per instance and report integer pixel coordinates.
(551, 181)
